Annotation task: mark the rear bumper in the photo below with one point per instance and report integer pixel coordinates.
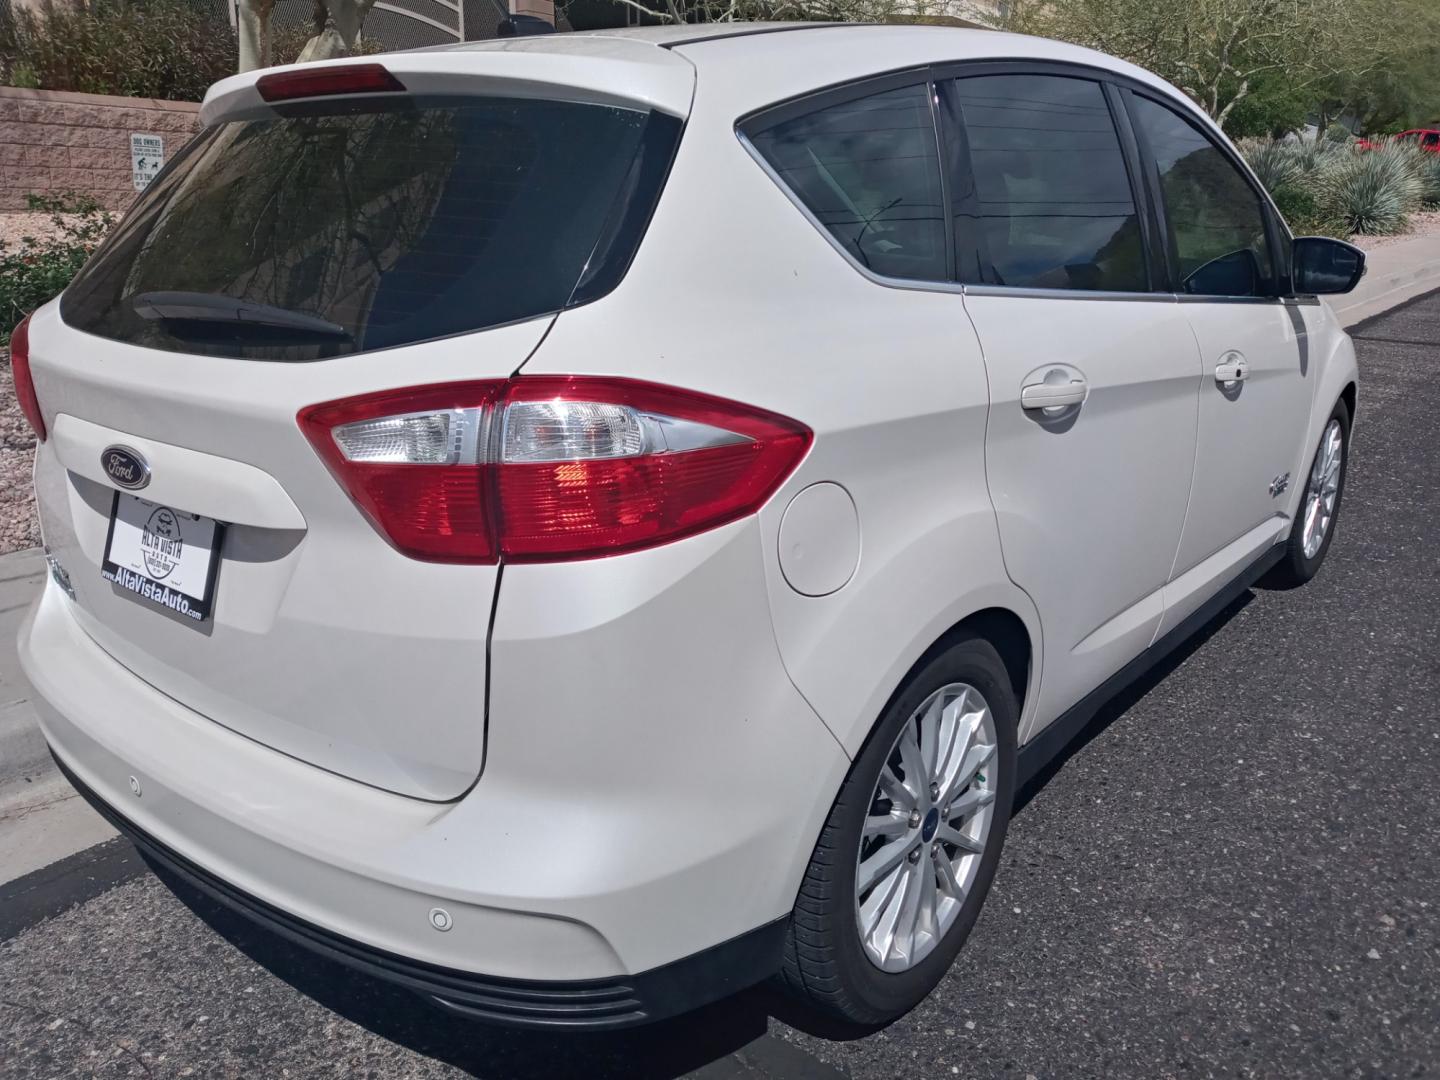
(592, 1004)
(613, 840)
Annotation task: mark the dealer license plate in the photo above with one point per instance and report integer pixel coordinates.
(163, 555)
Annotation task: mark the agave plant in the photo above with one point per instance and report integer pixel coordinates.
(1371, 192)
(1273, 161)
(1430, 180)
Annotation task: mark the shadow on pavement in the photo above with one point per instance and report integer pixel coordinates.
(1122, 702)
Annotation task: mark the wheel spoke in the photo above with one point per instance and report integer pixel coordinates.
(894, 789)
(910, 760)
(969, 802)
(896, 823)
(881, 909)
(873, 869)
(963, 769)
(908, 920)
(930, 723)
(951, 835)
(948, 883)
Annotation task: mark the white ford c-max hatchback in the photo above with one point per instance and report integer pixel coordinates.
(578, 525)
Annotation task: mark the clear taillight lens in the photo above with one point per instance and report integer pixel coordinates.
(24, 382)
(544, 468)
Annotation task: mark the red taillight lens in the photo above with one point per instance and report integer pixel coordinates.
(24, 382)
(413, 462)
(325, 81)
(543, 469)
(599, 466)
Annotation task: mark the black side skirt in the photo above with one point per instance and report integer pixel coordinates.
(1042, 749)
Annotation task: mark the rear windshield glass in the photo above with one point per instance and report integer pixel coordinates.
(301, 236)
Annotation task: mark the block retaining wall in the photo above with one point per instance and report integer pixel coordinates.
(52, 142)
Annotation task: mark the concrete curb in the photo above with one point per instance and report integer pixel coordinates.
(1396, 273)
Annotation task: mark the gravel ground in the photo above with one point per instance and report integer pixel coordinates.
(1236, 874)
(1425, 223)
(14, 227)
(18, 527)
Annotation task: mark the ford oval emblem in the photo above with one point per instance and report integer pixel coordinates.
(125, 466)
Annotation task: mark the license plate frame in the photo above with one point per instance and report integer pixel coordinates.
(154, 542)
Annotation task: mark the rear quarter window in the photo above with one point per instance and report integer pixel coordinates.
(868, 170)
(316, 234)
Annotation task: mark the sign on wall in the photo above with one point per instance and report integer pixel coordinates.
(147, 154)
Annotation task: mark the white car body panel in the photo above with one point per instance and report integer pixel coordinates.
(1247, 434)
(282, 588)
(1090, 508)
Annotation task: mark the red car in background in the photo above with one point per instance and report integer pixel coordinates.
(1425, 138)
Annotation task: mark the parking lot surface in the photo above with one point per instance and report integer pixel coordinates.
(1236, 871)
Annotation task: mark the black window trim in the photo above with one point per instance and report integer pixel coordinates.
(1139, 162)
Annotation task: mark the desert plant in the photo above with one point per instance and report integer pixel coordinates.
(1429, 173)
(1373, 192)
(1273, 161)
(40, 267)
(133, 48)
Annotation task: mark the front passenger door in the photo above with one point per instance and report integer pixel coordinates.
(1256, 383)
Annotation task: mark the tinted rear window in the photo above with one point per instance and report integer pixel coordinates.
(301, 236)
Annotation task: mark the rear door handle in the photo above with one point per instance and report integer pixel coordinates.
(1053, 395)
(1233, 368)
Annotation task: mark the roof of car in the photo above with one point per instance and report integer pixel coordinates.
(740, 67)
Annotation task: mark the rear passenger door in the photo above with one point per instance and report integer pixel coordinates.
(1093, 368)
(1226, 257)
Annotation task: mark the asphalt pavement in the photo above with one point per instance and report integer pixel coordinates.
(1235, 871)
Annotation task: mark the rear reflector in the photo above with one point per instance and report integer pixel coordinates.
(326, 81)
(24, 382)
(547, 468)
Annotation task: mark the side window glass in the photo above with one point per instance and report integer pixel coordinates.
(1432, 140)
(869, 171)
(1216, 217)
(1049, 203)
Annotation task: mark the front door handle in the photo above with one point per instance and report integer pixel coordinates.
(1053, 396)
(1232, 369)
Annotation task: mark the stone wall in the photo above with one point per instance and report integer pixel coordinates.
(53, 142)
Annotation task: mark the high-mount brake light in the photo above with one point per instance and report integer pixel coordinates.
(547, 468)
(24, 381)
(327, 81)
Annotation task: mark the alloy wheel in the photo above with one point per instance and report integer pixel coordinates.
(1323, 489)
(926, 828)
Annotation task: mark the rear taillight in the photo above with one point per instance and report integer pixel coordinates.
(24, 382)
(327, 81)
(550, 468)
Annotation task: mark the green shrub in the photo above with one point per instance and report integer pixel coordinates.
(42, 266)
(133, 48)
(1371, 192)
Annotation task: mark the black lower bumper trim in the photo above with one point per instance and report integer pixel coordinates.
(593, 1004)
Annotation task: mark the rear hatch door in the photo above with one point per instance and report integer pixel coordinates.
(295, 254)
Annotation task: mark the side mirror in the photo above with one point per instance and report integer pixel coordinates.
(1322, 265)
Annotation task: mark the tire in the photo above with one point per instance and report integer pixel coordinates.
(1295, 568)
(826, 963)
